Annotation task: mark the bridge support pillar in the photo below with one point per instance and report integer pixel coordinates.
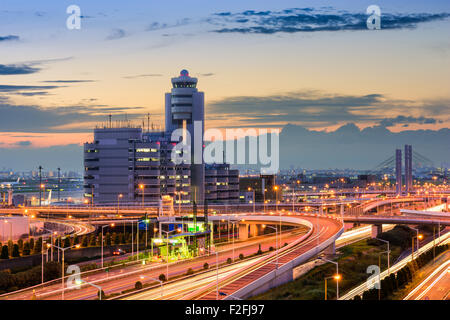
(342, 210)
(243, 231)
(331, 249)
(254, 230)
(377, 229)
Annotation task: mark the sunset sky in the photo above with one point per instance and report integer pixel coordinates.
(260, 64)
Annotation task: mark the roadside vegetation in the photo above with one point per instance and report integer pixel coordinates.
(353, 261)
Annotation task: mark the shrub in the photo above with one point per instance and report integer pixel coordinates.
(241, 256)
(5, 253)
(101, 294)
(84, 242)
(229, 261)
(138, 285)
(162, 277)
(190, 271)
(26, 249)
(271, 248)
(206, 266)
(15, 251)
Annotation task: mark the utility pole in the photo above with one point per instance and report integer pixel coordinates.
(40, 185)
(59, 183)
(206, 225)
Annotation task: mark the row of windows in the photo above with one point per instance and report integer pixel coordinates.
(146, 159)
(145, 150)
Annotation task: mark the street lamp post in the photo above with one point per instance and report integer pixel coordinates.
(141, 186)
(388, 252)
(337, 277)
(276, 239)
(51, 239)
(167, 251)
(418, 237)
(118, 203)
(107, 225)
(62, 265)
(217, 270)
(42, 252)
(253, 199)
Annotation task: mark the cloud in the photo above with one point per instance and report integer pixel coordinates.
(23, 143)
(116, 34)
(206, 74)
(25, 118)
(389, 122)
(14, 88)
(9, 38)
(313, 20)
(13, 69)
(160, 26)
(68, 81)
(143, 76)
(319, 109)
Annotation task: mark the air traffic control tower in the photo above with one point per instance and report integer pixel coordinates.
(184, 106)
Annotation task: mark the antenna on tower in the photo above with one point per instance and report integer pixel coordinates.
(148, 122)
(110, 120)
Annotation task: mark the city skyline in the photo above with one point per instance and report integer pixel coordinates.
(56, 84)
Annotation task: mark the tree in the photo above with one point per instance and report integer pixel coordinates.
(241, 256)
(26, 249)
(229, 261)
(76, 239)
(15, 251)
(20, 244)
(66, 242)
(162, 277)
(84, 242)
(31, 243)
(93, 241)
(259, 249)
(190, 271)
(5, 253)
(206, 266)
(38, 245)
(108, 239)
(138, 285)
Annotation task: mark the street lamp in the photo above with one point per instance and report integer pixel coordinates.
(388, 251)
(51, 239)
(107, 225)
(418, 237)
(80, 282)
(167, 251)
(42, 252)
(141, 186)
(118, 202)
(276, 238)
(253, 199)
(337, 276)
(154, 279)
(217, 270)
(62, 265)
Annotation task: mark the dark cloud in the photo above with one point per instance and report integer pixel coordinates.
(318, 109)
(206, 74)
(67, 81)
(143, 76)
(313, 20)
(31, 94)
(23, 143)
(9, 38)
(20, 88)
(36, 119)
(389, 122)
(116, 34)
(160, 26)
(13, 69)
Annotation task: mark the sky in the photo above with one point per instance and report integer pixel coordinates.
(313, 64)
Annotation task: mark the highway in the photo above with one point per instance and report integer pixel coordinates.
(436, 286)
(235, 282)
(121, 278)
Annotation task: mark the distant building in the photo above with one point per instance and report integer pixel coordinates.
(126, 164)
